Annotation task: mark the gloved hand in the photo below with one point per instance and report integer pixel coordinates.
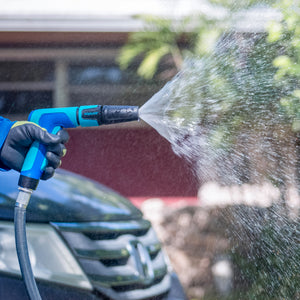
(19, 139)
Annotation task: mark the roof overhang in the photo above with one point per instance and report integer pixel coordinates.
(105, 21)
(94, 15)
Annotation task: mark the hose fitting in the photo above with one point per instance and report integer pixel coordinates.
(23, 197)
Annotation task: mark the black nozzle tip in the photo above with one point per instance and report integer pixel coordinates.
(119, 113)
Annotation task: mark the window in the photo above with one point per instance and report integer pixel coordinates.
(19, 102)
(26, 71)
(25, 86)
(95, 74)
(40, 78)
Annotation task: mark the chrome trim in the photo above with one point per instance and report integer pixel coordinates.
(116, 226)
(125, 262)
(142, 261)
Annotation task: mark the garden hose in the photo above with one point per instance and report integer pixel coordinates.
(21, 243)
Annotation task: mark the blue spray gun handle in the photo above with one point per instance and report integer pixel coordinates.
(53, 120)
(36, 157)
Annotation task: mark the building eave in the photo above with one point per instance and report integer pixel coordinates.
(16, 23)
(95, 15)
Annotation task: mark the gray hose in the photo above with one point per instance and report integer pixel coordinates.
(23, 255)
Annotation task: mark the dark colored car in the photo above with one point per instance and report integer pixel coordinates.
(85, 242)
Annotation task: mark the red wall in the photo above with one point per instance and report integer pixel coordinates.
(137, 162)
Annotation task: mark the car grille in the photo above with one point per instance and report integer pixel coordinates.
(123, 259)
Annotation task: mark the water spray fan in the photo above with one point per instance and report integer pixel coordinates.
(53, 120)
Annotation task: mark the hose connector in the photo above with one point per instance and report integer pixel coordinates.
(23, 197)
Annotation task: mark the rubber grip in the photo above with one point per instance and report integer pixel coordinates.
(35, 161)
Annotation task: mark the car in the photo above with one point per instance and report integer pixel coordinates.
(85, 241)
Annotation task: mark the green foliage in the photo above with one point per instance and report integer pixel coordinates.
(251, 78)
(158, 40)
(229, 91)
(149, 65)
(254, 86)
(164, 37)
(286, 35)
(233, 89)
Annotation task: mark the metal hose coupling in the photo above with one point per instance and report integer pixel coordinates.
(23, 197)
(119, 113)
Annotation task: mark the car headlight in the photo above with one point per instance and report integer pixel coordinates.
(50, 258)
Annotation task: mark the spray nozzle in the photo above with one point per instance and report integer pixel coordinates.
(119, 113)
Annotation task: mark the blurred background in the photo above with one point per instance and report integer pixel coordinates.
(65, 54)
(225, 228)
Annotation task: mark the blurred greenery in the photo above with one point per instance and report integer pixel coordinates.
(236, 82)
(240, 80)
(154, 43)
(164, 38)
(286, 35)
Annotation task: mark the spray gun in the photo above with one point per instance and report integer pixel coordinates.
(53, 120)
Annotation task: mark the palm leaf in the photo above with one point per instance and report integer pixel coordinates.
(150, 63)
(129, 53)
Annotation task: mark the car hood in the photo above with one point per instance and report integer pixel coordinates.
(67, 197)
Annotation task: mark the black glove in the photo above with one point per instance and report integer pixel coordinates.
(19, 139)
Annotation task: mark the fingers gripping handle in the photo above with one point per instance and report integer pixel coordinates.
(34, 164)
(52, 119)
